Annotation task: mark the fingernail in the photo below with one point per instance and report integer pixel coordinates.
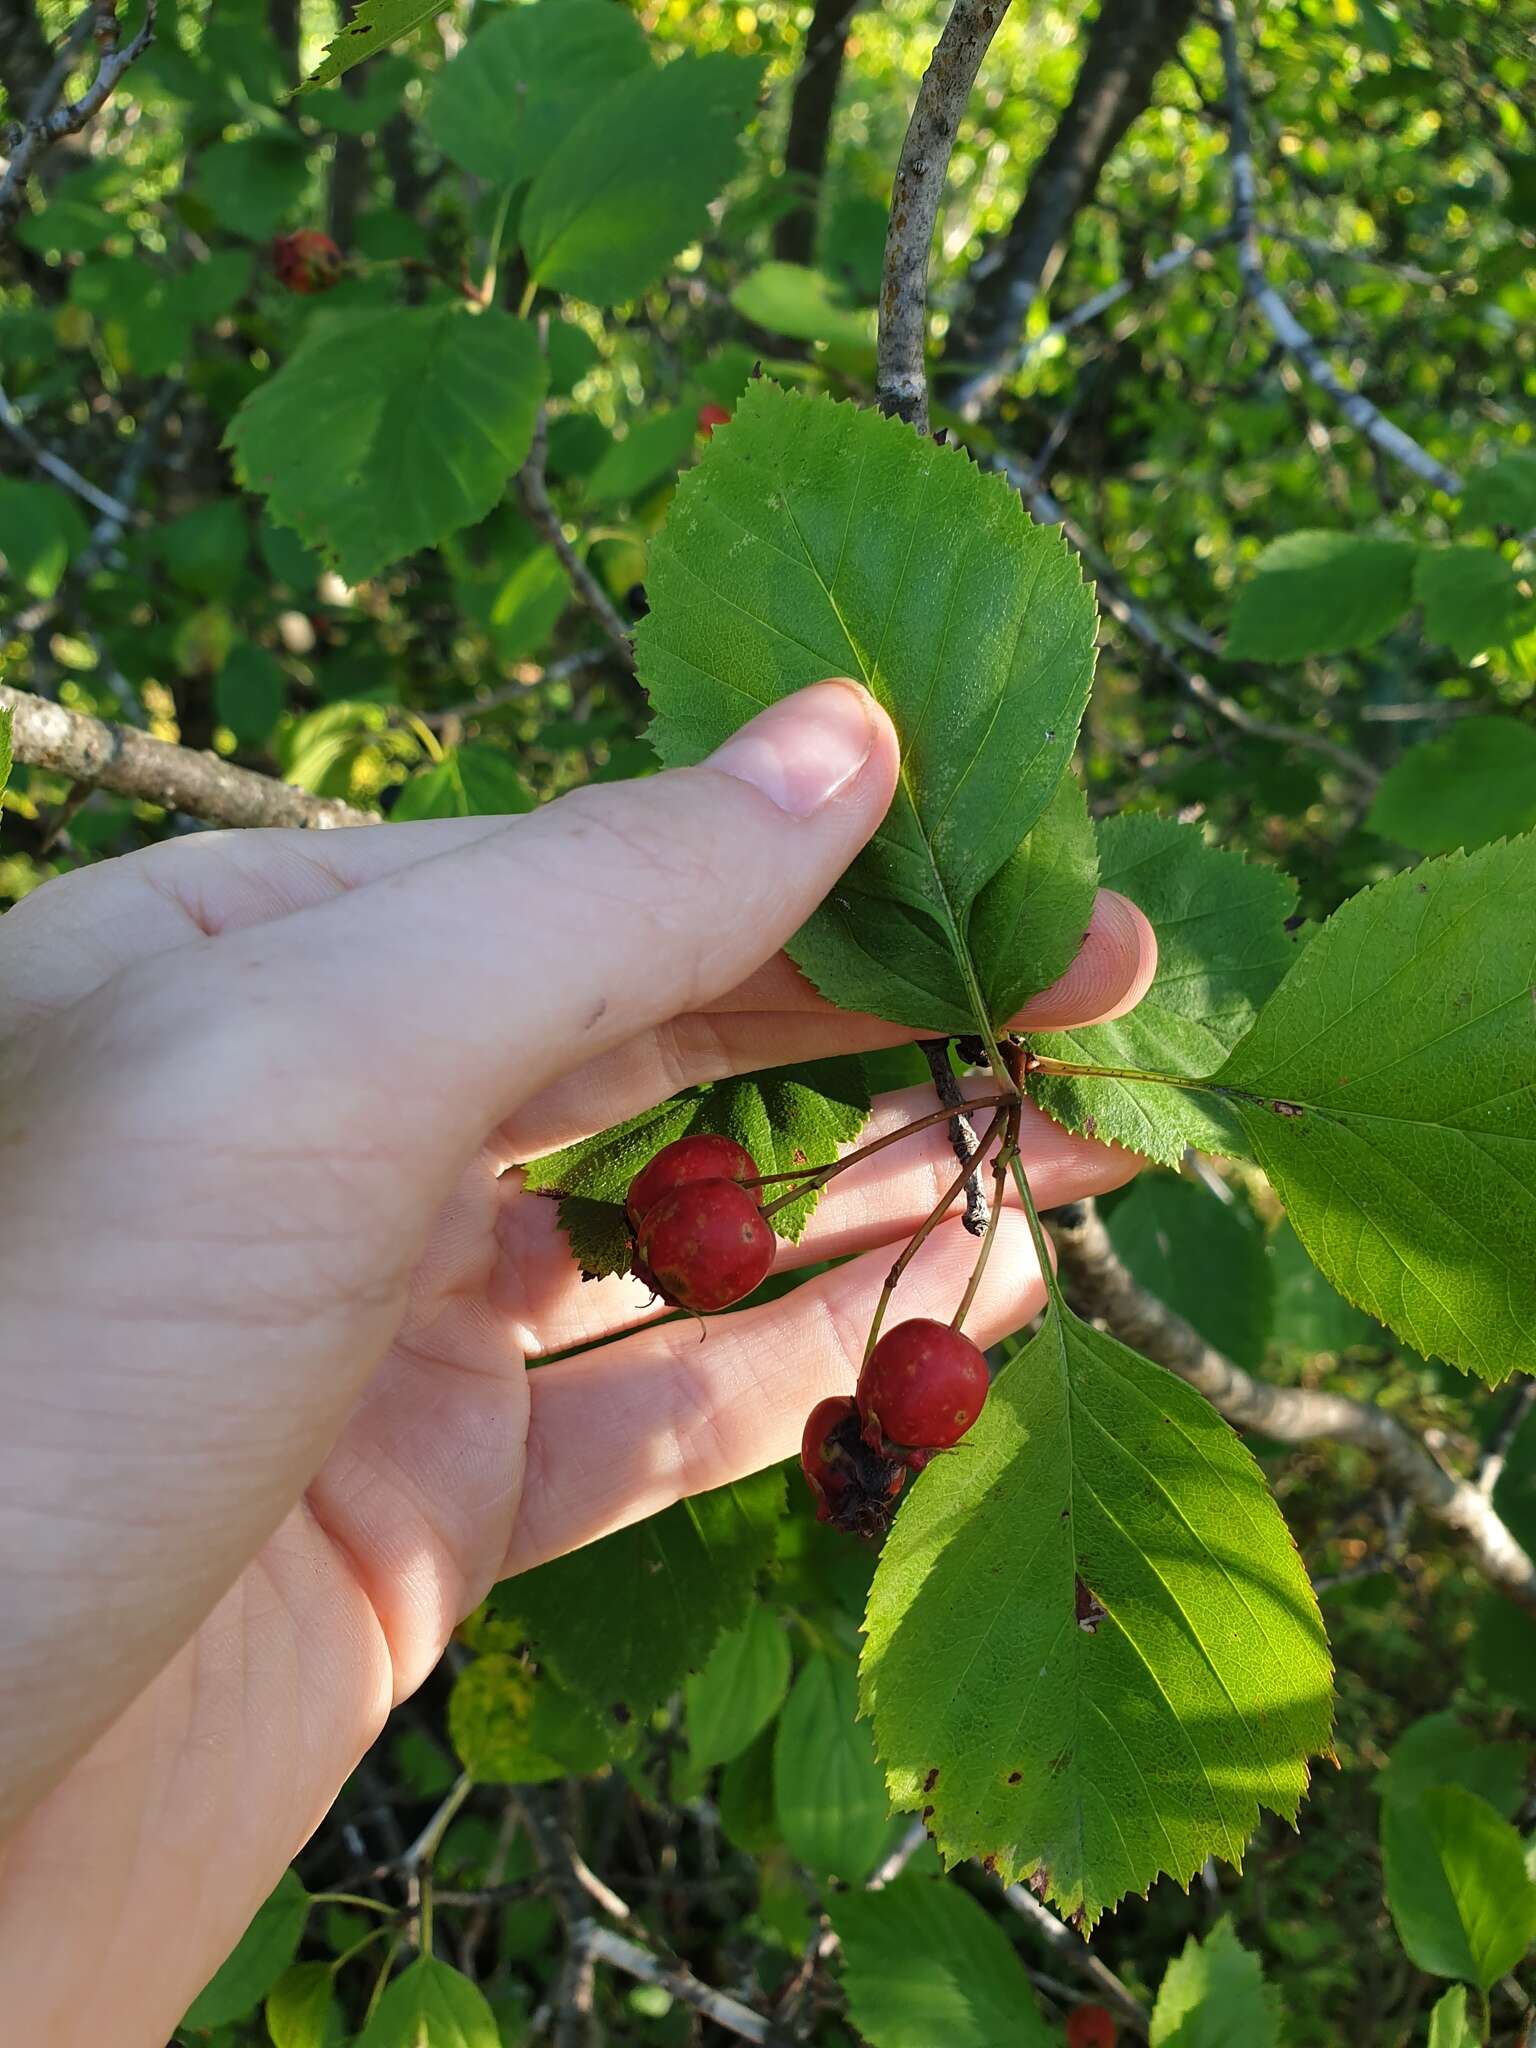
(801, 751)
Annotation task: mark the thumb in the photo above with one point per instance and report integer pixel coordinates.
(458, 985)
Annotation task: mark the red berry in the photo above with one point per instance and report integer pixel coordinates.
(710, 417)
(701, 1157)
(922, 1387)
(306, 261)
(1090, 2026)
(854, 1486)
(704, 1245)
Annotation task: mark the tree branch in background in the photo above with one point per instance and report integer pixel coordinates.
(25, 51)
(1128, 45)
(1100, 1287)
(545, 520)
(46, 125)
(810, 124)
(1281, 321)
(1078, 1956)
(902, 379)
(130, 763)
(55, 466)
(602, 1945)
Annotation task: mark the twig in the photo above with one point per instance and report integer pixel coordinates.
(55, 466)
(962, 1132)
(602, 1945)
(425, 1846)
(108, 530)
(130, 763)
(887, 1871)
(1102, 1288)
(48, 125)
(515, 692)
(902, 380)
(546, 521)
(574, 2025)
(1367, 418)
(1077, 1955)
(1491, 1466)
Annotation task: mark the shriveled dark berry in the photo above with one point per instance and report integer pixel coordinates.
(307, 261)
(922, 1387)
(703, 1156)
(704, 1245)
(855, 1488)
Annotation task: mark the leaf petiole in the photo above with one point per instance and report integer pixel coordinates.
(814, 1177)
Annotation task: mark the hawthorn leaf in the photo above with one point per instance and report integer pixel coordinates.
(431, 2005)
(385, 432)
(1091, 1648)
(504, 103)
(787, 298)
(300, 2011)
(924, 1962)
(828, 1791)
(652, 448)
(1441, 1750)
(1321, 593)
(815, 539)
(1214, 1994)
(1456, 1882)
(260, 1957)
(1503, 493)
(1028, 924)
(1222, 946)
(249, 692)
(740, 1689)
(41, 531)
(1471, 598)
(1449, 2024)
(1386, 1090)
(470, 781)
(623, 1621)
(1207, 1259)
(514, 1726)
(1466, 788)
(785, 1116)
(372, 26)
(589, 225)
(1309, 1315)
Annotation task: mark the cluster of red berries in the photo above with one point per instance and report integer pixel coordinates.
(920, 1389)
(701, 1241)
(306, 261)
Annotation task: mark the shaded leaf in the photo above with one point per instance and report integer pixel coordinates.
(924, 1963)
(828, 1790)
(299, 2006)
(431, 2005)
(1471, 785)
(1321, 593)
(1309, 1315)
(1470, 597)
(263, 1953)
(1456, 1882)
(1503, 493)
(41, 531)
(1027, 925)
(740, 1688)
(1207, 1259)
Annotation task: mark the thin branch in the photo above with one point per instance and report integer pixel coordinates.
(602, 1945)
(543, 517)
(962, 1132)
(1102, 1288)
(517, 692)
(1288, 331)
(130, 763)
(812, 101)
(1078, 1956)
(902, 380)
(44, 127)
(1491, 1466)
(55, 466)
(887, 1871)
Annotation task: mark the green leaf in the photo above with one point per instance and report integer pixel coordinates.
(1027, 925)
(1470, 596)
(925, 1963)
(373, 26)
(653, 448)
(253, 184)
(41, 531)
(1449, 2026)
(816, 539)
(590, 226)
(263, 1953)
(786, 1117)
(385, 432)
(1222, 946)
(1503, 493)
(1309, 1315)
(828, 1791)
(1441, 1750)
(205, 551)
(786, 298)
(624, 1620)
(5, 747)
(471, 781)
(505, 102)
(1213, 1995)
(1473, 784)
(299, 2006)
(431, 2005)
(514, 1726)
(1320, 593)
(1207, 1259)
(1386, 1091)
(746, 1797)
(508, 582)
(739, 1690)
(1095, 1489)
(249, 693)
(1457, 1886)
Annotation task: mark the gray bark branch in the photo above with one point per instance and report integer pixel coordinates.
(545, 520)
(46, 126)
(810, 125)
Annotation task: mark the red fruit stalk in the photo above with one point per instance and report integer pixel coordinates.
(854, 1487)
(922, 1387)
(704, 1245)
(306, 261)
(704, 1156)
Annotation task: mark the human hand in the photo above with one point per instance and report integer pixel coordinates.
(269, 1292)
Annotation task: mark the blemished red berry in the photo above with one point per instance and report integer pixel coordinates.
(712, 416)
(704, 1245)
(306, 261)
(922, 1387)
(855, 1488)
(1091, 2026)
(704, 1156)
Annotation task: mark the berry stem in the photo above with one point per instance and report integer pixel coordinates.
(1007, 1152)
(930, 1222)
(815, 1177)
